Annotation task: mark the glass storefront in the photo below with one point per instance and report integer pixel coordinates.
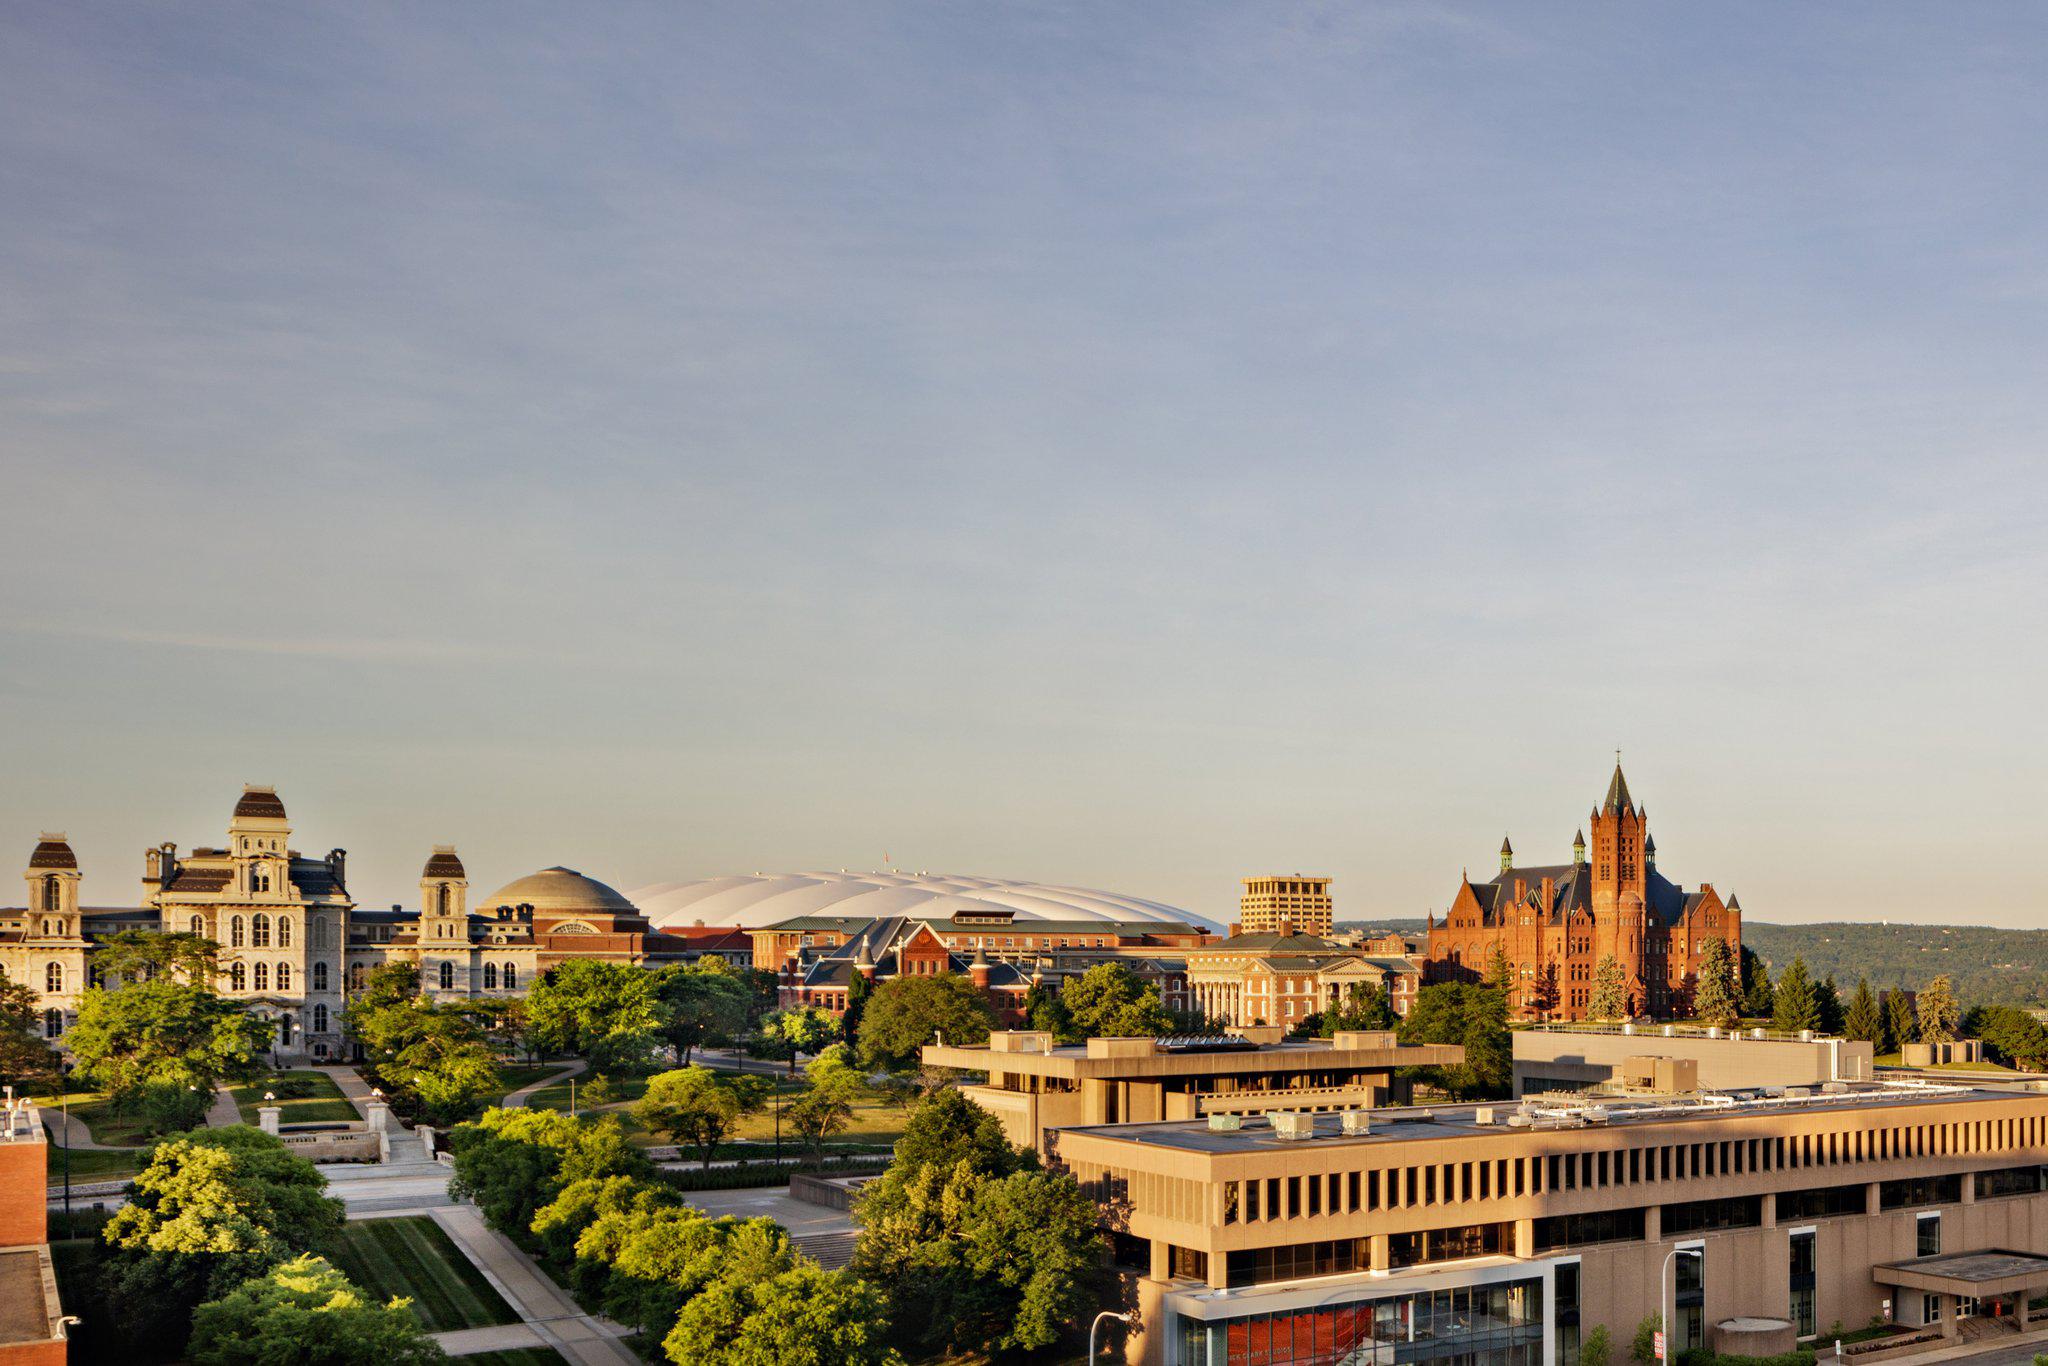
(1478, 1325)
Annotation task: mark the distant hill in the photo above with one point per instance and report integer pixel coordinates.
(1989, 966)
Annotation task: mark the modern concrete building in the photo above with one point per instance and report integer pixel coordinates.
(1583, 1057)
(1503, 1233)
(1035, 1086)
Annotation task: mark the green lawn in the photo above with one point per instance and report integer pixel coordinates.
(89, 1164)
(512, 1076)
(413, 1257)
(556, 1097)
(873, 1121)
(99, 1117)
(517, 1356)
(325, 1105)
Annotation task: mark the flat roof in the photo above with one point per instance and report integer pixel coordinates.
(1991, 1271)
(24, 1298)
(1437, 1122)
(1074, 1060)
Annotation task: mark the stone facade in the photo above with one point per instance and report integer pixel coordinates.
(1556, 923)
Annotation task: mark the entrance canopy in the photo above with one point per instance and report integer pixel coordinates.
(1970, 1275)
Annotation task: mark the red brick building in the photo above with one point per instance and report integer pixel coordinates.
(1557, 922)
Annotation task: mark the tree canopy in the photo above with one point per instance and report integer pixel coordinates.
(700, 1006)
(1609, 1000)
(26, 1058)
(802, 1316)
(164, 1031)
(804, 1029)
(1474, 1017)
(906, 1013)
(698, 1107)
(1797, 1006)
(1364, 1007)
(1864, 1019)
(1936, 1009)
(1716, 998)
(1111, 1001)
(305, 1312)
(606, 1012)
(512, 1162)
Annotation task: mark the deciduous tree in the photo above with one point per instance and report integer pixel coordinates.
(164, 1031)
(304, 1311)
(805, 1029)
(605, 1012)
(906, 1013)
(26, 1058)
(700, 1007)
(698, 1107)
(802, 1317)
(1111, 1001)
(1936, 1008)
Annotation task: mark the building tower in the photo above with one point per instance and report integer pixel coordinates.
(53, 889)
(259, 839)
(444, 923)
(1300, 902)
(1620, 888)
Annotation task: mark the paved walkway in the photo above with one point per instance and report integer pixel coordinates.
(352, 1086)
(69, 1131)
(224, 1113)
(539, 1302)
(516, 1100)
(496, 1337)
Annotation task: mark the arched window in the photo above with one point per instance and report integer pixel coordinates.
(441, 898)
(284, 1031)
(235, 933)
(198, 925)
(53, 979)
(237, 977)
(319, 1019)
(263, 977)
(259, 879)
(490, 977)
(53, 1022)
(284, 976)
(319, 977)
(259, 930)
(47, 931)
(355, 976)
(284, 931)
(447, 976)
(53, 894)
(511, 977)
(94, 977)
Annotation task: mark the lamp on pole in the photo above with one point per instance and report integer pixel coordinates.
(1670, 1311)
(1130, 1320)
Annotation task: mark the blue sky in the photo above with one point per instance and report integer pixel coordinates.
(1134, 446)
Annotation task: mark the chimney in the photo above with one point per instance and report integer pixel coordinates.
(1286, 927)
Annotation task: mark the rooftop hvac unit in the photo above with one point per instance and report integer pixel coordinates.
(1355, 1122)
(1797, 1093)
(1485, 1115)
(1225, 1124)
(1594, 1114)
(1294, 1127)
(1835, 1088)
(1518, 1121)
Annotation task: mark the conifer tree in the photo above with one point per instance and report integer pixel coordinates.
(1758, 999)
(1610, 991)
(1797, 1006)
(1937, 1011)
(1863, 1020)
(1899, 1022)
(1714, 997)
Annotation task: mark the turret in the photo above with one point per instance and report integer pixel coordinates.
(1579, 849)
(259, 837)
(977, 971)
(444, 898)
(1649, 851)
(1507, 854)
(53, 878)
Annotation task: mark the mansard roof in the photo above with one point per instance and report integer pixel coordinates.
(260, 802)
(53, 851)
(443, 863)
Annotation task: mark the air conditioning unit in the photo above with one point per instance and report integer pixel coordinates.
(1594, 1114)
(1519, 1121)
(1225, 1124)
(1797, 1093)
(1835, 1088)
(1356, 1122)
(1485, 1115)
(1294, 1127)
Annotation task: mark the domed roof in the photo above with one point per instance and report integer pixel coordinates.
(444, 863)
(259, 801)
(53, 851)
(770, 898)
(559, 891)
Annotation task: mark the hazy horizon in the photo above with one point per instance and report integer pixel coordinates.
(1135, 448)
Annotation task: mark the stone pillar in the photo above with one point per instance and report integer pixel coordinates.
(1162, 1260)
(1770, 1209)
(267, 1117)
(426, 1133)
(377, 1114)
(1653, 1223)
(1969, 1188)
(1948, 1315)
(2019, 1308)
(1377, 1252)
(1872, 1204)
(1525, 1238)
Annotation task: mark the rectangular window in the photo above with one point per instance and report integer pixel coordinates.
(1927, 1236)
(1803, 1279)
(2011, 1181)
(1821, 1202)
(1922, 1190)
(1701, 1216)
(1575, 1230)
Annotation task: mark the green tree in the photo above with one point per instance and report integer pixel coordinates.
(906, 1013)
(305, 1312)
(1594, 1349)
(1364, 1007)
(1643, 1348)
(803, 1316)
(1863, 1020)
(698, 1107)
(700, 1007)
(1936, 1008)
(1899, 1021)
(146, 955)
(1827, 1002)
(1473, 1017)
(1715, 998)
(858, 988)
(26, 1059)
(513, 1162)
(434, 1059)
(1111, 1001)
(1758, 998)
(806, 1029)
(1796, 1007)
(608, 1013)
(1045, 1011)
(2011, 1036)
(1500, 972)
(945, 1129)
(1544, 996)
(212, 1209)
(654, 1262)
(1610, 991)
(826, 1106)
(164, 1031)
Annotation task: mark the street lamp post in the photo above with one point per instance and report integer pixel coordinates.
(1671, 1312)
(1130, 1320)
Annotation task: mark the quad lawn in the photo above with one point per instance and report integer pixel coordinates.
(874, 1122)
(93, 1108)
(512, 1076)
(326, 1104)
(412, 1257)
(89, 1164)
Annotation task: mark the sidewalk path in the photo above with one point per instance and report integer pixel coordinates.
(561, 1324)
(69, 1131)
(496, 1337)
(516, 1100)
(224, 1113)
(352, 1087)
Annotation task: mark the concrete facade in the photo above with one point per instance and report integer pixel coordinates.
(1553, 1220)
(1577, 1057)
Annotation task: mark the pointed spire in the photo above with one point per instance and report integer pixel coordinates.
(1617, 789)
(1507, 854)
(1579, 849)
(1649, 849)
(862, 958)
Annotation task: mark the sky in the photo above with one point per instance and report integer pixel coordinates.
(1135, 446)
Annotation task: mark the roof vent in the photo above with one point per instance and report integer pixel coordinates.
(1595, 1114)
(1294, 1127)
(1355, 1122)
(1797, 1093)
(1519, 1121)
(1485, 1115)
(1225, 1124)
(1834, 1088)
